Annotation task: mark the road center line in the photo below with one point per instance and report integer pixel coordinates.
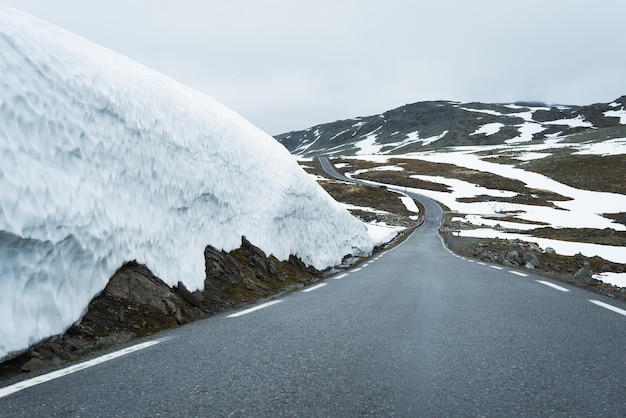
(310, 289)
(6, 391)
(496, 267)
(341, 276)
(609, 307)
(552, 285)
(256, 308)
(519, 273)
(355, 270)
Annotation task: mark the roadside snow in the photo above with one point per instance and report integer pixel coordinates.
(616, 279)
(104, 161)
(381, 233)
(410, 204)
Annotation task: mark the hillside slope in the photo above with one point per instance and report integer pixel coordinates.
(440, 124)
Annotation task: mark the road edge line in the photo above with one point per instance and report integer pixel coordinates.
(25, 384)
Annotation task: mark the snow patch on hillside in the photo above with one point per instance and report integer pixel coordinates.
(368, 145)
(527, 131)
(621, 114)
(577, 122)
(488, 129)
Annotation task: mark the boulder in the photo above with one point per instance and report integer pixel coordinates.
(531, 258)
(584, 273)
(33, 365)
(514, 258)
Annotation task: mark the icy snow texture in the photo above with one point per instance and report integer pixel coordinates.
(103, 161)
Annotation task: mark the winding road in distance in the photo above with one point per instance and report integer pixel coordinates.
(416, 331)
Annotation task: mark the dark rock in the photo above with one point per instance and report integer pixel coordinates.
(531, 258)
(514, 258)
(191, 298)
(580, 259)
(135, 302)
(33, 365)
(113, 339)
(271, 269)
(219, 265)
(584, 273)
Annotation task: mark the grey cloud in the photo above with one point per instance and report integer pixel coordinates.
(288, 65)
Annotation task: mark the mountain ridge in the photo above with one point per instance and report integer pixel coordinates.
(439, 124)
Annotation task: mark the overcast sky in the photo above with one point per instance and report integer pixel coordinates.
(288, 65)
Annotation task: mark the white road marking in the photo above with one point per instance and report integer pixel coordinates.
(256, 308)
(481, 263)
(6, 391)
(496, 267)
(355, 270)
(609, 307)
(314, 287)
(552, 285)
(518, 273)
(341, 276)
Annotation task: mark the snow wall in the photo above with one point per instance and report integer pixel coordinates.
(103, 160)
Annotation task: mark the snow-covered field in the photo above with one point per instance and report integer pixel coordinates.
(582, 211)
(104, 161)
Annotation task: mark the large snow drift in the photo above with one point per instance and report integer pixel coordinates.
(103, 160)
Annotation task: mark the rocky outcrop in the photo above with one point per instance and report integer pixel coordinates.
(137, 303)
(514, 254)
(577, 269)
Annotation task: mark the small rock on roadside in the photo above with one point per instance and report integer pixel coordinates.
(584, 273)
(33, 365)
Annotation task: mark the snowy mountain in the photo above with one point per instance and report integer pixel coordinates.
(435, 125)
(103, 161)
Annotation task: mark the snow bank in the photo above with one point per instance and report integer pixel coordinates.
(103, 161)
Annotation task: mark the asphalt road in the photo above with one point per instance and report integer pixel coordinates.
(417, 331)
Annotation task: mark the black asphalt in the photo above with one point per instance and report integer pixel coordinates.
(418, 332)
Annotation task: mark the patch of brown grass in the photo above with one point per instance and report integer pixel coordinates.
(589, 172)
(525, 195)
